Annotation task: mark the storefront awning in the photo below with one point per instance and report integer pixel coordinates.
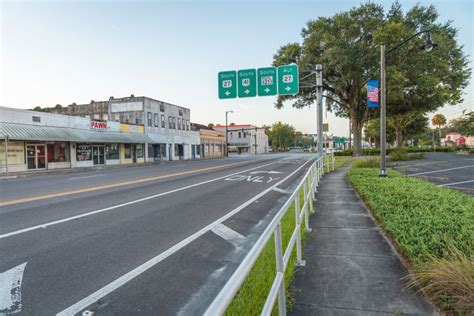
(49, 133)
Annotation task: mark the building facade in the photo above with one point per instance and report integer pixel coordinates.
(32, 140)
(168, 125)
(245, 139)
(212, 142)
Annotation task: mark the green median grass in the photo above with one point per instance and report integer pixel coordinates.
(341, 161)
(432, 227)
(254, 291)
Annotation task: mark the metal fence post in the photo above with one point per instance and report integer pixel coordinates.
(333, 161)
(279, 268)
(299, 260)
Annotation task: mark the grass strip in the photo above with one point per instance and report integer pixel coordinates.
(254, 291)
(426, 223)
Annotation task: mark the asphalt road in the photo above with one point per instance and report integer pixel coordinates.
(151, 240)
(443, 169)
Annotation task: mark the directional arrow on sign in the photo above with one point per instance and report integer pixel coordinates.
(10, 290)
(227, 93)
(247, 91)
(287, 88)
(266, 90)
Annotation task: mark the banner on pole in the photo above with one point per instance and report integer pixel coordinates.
(373, 93)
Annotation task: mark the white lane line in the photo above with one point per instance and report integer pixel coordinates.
(444, 185)
(228, 234)
(44, 225)
(10, 290)
(420, 164)
(434, 171)
(84, 177)
(109, 288)
(282, 191)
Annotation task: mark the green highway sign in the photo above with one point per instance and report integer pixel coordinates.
(227, 84)
(288, 81)
(247, 83)
(267, 81)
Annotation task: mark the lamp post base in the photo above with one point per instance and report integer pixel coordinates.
(383, 173)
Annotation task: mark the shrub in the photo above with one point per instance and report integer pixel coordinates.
(449, 279)
(372, 162)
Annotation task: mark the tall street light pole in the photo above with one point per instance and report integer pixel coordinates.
(319, 93)
(227, 134)
(428, 46)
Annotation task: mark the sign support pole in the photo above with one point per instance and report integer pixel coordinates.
(319, 93)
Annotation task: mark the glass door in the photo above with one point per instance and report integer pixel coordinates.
(40, 156)
(98, 155)
(30, 156)
(36, 156)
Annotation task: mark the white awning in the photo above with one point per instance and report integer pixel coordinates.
(49, 133)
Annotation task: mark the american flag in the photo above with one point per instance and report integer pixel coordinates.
(373, 96)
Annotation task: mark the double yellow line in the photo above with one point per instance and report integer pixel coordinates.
(114, 185)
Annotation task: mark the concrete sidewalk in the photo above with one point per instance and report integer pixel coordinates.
(351, 269)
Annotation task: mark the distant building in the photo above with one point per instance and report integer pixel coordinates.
(31, 140)
(212, 141)
(246, 139)
(168, 125)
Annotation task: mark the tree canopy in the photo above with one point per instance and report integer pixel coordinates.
(347, 45)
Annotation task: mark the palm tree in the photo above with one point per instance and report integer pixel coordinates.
(439, 120)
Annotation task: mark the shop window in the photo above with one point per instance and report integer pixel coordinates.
(155, 121)
(139, 151)
(83, 152)
(127, 151)
(112, 151)
(58, 152)
(162, 121)
(240, 135)
(151, 151)
(198, 150)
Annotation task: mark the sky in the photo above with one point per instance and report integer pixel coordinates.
(60, 52)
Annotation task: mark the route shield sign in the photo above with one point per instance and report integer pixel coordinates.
(247, 83)
(288, 81)
(267, 81)
(227, 84)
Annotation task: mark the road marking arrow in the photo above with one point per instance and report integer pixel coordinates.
(227, 93)
(247, 91)
(10, 290)
(266, 90)
(287, 88)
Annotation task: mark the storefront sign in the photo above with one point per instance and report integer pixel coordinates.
(130, 128)
(16, 152)
(83, 152)
(98, 125)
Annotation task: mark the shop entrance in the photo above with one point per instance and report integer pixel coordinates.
(98, 154)
(36, 156)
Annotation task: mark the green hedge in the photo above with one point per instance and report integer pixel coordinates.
(423, 219)
(376, 151)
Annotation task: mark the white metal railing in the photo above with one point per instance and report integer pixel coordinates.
(309, 185)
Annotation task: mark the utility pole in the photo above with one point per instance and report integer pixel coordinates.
(227, 134)
(255, 140)
(319, 93)
(383, 158)
(6, 155)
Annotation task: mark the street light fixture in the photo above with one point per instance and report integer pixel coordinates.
(428, 46)
(227, 134)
